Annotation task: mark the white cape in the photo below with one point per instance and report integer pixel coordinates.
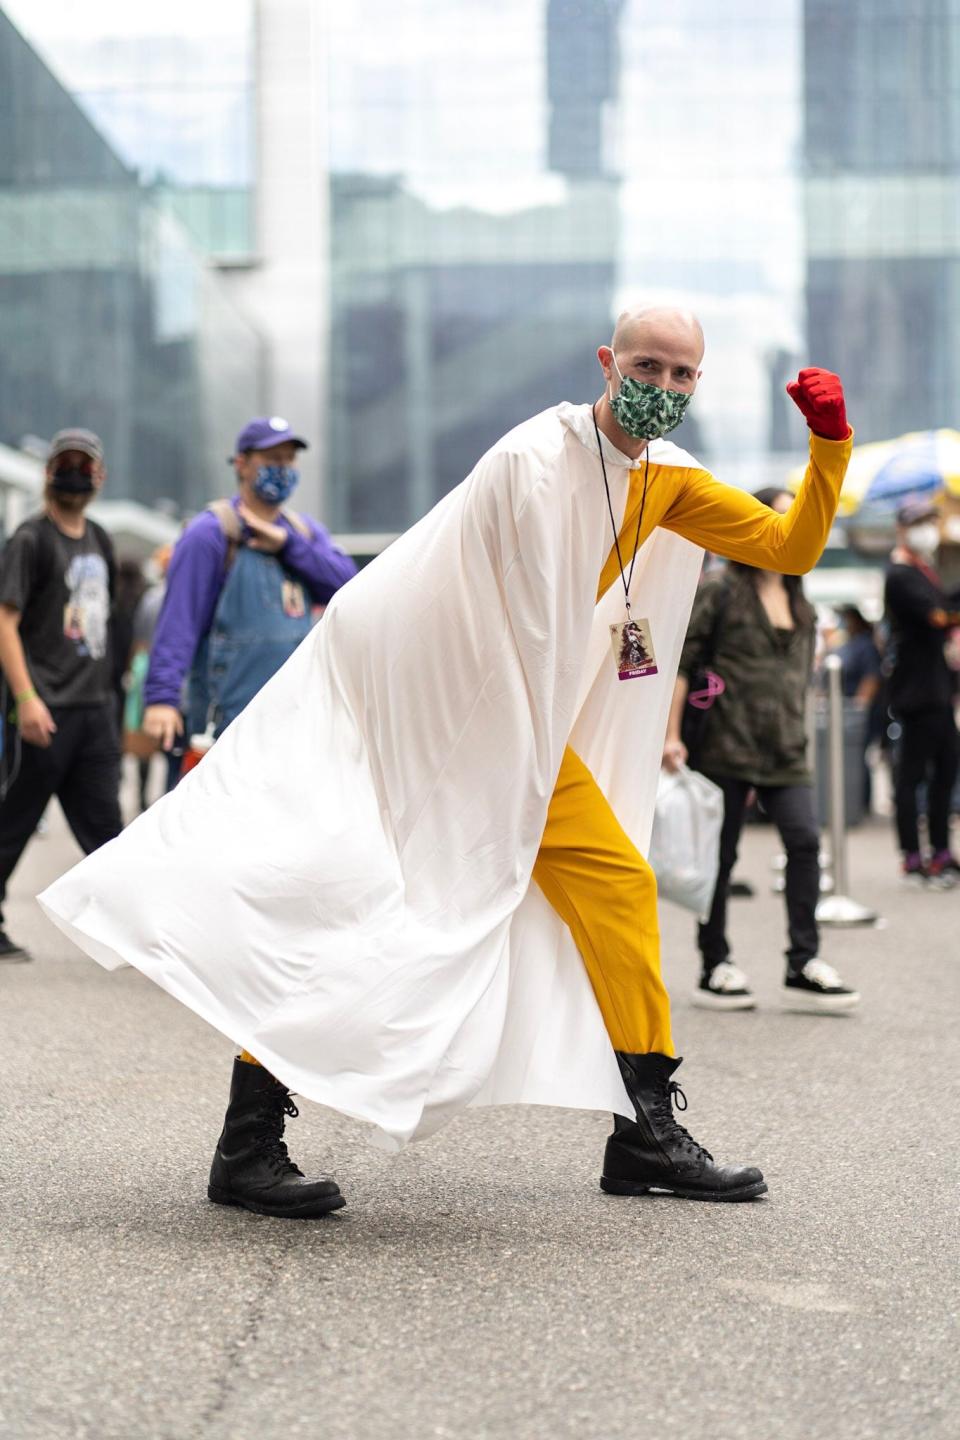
(342, 886)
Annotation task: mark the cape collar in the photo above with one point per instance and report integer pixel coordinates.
(579, 419)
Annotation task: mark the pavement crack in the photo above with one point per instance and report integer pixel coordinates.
(244, 1340)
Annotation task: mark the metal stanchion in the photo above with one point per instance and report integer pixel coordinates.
(838, 908)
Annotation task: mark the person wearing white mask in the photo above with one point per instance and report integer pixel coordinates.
(921, 614)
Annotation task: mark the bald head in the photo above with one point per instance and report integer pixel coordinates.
(659, 324)
(657, 346)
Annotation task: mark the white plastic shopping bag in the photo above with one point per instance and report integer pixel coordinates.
(685, 843)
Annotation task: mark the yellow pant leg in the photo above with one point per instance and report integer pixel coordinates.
(604, 890)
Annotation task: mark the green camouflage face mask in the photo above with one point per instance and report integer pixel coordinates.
(645, 411)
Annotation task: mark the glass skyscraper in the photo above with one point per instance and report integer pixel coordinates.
(882, 183)
(505, 178)
(471, 272)
(109, 316)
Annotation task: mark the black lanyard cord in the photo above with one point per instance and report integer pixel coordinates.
(626, 580)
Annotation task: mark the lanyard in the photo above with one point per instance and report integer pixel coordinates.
(625, 579)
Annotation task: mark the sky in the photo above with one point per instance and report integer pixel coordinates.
(169, 86)
(64, 21)
(449, 93)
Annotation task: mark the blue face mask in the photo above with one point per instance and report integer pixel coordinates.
(276, 483)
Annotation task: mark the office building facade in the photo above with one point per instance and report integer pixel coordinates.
(109, 315)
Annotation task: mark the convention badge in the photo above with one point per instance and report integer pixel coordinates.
(294, 603)
(633, 651)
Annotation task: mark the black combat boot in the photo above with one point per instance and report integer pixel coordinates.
(655, 1153)
(251, 1166)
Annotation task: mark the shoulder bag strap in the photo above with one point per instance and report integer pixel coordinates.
(298, 523)
(229, 522)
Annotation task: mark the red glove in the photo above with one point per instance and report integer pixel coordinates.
(818, 395)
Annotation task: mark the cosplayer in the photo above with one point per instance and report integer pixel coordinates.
(410, 876)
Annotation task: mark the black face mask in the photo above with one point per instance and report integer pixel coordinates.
(72, 481)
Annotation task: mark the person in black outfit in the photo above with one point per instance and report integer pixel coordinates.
(920, 614)
(861, 679)
(60, 731)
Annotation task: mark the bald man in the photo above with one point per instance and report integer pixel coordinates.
(588, 867)
(476, 725)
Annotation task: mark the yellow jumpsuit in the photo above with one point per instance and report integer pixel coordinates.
(587, 867)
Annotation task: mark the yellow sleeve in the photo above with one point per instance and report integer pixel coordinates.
(731, 523)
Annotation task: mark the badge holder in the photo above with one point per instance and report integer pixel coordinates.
(633, 651)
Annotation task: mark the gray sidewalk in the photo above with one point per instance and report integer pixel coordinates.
(480, 1284)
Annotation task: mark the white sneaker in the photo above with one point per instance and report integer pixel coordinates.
(818, 987)
(725, 988)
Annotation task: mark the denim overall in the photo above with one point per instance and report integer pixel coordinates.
(262, 615)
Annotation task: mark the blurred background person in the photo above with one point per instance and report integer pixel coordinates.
(136, 742)
(56, 586)
(920, 615)
(861, 680)
(240, 587)
(760, 632)
(129, 586)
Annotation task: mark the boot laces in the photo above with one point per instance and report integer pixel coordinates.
(268, 1140)
(672, 1096)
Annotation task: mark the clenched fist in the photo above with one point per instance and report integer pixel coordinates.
(818, 395)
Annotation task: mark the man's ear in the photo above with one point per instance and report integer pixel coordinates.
(605, 357)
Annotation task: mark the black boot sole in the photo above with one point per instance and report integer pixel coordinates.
(633, 1187)
(309, 1210)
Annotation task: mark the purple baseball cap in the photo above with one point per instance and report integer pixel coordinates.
(917, 509)
(265, 431)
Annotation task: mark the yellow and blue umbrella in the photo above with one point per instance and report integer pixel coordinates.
(885, 472)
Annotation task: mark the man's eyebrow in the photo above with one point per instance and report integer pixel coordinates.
(657, 360)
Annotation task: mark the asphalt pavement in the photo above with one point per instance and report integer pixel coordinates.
(480, 1285)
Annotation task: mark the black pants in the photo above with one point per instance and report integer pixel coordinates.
(928, 752)
(81, 767)
(790, 807)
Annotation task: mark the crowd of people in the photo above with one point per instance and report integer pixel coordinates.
(93, 651)
(901, 684)
(100, 656)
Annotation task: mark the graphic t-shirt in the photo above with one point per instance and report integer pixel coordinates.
(62, 587)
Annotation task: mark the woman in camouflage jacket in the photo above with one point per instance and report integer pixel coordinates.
(757, 631)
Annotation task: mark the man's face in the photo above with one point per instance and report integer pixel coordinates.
(660, 354)
(75, 460)
(249, 463)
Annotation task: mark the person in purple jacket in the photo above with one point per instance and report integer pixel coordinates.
(242, 581)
